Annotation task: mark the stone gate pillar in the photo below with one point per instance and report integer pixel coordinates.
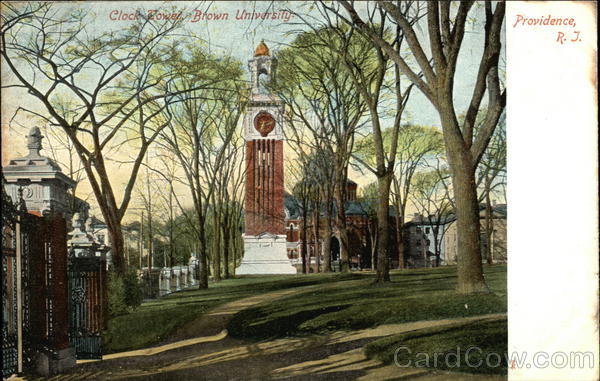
(44, 190)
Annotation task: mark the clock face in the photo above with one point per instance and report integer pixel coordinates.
(264, 123)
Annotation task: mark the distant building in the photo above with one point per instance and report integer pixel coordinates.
(424, 241)
(361, 225)
(423, 235)
(497, 242)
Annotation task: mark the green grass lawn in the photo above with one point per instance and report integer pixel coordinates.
(420, 294)
(153, 321)
(477, 347)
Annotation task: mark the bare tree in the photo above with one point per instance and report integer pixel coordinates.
(491, 180)
(115, 83)
(369, 78)
(370, 201)
(201, 126)
(301, 190)
(159, 199)
(225, 206)
(305, 172)
(415, 143)
(430, 195)
(230, 191)
(464, 147)
(145, 192)
(323, 111)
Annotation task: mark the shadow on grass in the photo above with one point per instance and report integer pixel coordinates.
(479, 347)
(423, 294)
(265, 327)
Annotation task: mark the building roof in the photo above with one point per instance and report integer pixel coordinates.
(97, 223)
(353, 208)
(292, 206)
(499, 211)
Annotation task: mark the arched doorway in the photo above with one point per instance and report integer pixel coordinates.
(355, 250)
(335, 249)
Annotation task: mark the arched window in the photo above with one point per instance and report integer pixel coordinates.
(263, 81)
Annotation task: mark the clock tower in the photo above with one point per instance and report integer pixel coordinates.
(264, 237)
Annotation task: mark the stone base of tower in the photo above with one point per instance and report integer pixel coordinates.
(265, 254)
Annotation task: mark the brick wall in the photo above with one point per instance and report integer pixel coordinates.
(264, 211)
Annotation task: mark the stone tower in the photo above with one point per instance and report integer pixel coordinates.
(264, 238)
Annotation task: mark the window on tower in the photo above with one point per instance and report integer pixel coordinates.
(263, 82)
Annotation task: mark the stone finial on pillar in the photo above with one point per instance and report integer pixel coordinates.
(77, 225)
(81, 242)
(88, 225)
(34, 142)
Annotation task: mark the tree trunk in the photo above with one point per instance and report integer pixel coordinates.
(341, 226)
(150, 241)
(225, 251)
(399, 238)
(383, 263)
(303, 236)
(316, 235)
(488, 224)
(373, 236)
(117, 246)
(203, 281)
(470, 270)
(171, 227)
(217, 250)
(327, 240)
(373, 254)
(437, 244)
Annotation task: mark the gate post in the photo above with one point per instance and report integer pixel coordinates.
(43, 314)
(48, 306)
(87, 292)
(194, 269)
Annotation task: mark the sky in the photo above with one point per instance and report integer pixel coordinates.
(237, 38)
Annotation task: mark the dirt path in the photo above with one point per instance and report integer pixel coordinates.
(212, 355)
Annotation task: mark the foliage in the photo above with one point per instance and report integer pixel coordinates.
(133, 290)
(116, 295)
(124, 293)
(414, 142)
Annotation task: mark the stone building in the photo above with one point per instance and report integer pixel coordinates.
(426, 238)
(424, 241)
(497, 243)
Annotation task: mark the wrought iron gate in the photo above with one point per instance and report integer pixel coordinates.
(87, 298)
(15, 322)
(10, 319)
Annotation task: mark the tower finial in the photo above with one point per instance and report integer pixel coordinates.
(262, 49)
(34, 141)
